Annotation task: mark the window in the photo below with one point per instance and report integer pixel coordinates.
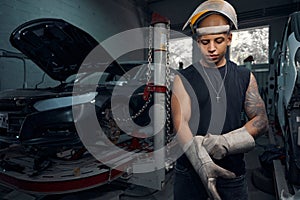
(180, 51)
(250, 42)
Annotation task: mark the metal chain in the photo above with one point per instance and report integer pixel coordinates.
(138, 113)
(168, 92)
(148, 78)
(149, 73)
(150, 41)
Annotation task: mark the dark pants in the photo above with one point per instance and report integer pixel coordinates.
(188, 186)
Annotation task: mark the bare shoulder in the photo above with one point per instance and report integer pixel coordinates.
(178, 87)
(180, 101)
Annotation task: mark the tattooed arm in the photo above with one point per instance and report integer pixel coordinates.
(241, 140)
(255, 110)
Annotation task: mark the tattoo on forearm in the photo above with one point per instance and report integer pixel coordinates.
(255, 107)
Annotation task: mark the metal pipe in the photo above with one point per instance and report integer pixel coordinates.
(160, 50)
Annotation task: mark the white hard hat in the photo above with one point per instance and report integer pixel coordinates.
(212, 6)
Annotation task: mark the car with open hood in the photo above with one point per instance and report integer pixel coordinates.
(42, 117)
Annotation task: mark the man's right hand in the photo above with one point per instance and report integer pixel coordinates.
(206, 168)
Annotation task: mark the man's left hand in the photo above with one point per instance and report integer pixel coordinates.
(237, 141)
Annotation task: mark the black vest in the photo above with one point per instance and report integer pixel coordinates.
(212, 116)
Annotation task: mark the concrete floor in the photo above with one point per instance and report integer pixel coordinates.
(252, 165)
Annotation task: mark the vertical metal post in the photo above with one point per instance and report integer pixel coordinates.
(160, 52)
(155, 178)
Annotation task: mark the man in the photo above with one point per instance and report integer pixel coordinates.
(216, 90)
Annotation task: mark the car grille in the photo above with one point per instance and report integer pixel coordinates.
(15, 122)
(9, 105)
(11, 123)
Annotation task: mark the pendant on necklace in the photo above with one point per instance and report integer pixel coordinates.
(218, 99)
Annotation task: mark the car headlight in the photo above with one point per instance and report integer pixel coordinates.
(55, 103)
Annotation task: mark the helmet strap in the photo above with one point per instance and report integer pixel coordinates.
(212, 30)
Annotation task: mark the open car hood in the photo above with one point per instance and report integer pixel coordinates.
(55, 45)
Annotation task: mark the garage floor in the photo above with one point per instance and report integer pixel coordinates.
(118, 190)
(253, 166)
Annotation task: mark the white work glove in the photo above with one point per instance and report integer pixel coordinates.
(206, 168)
(237, 141)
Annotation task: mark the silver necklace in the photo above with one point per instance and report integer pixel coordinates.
(221, 86)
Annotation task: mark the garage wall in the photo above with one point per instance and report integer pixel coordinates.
(179, 11)
(100, 18)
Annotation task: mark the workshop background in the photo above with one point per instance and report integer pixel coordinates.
(103, 19)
